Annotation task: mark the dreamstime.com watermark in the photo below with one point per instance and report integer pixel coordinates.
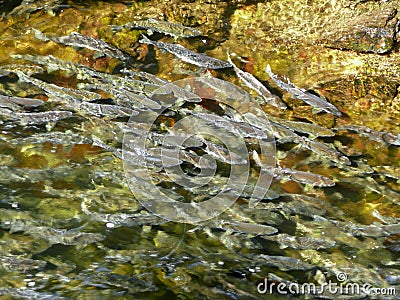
(332, 288)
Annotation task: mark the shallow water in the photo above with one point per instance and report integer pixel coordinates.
(73, 215)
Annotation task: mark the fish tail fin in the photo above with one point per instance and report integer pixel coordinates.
(268, 69)
(39, 35)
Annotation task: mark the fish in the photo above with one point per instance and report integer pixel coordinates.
(130, 284)
(257, 86)
(123, 219)
(96, 78)
(300, 242)
(175, 139)
(112, 111)
(255, 192)
(27, 69)
(26, 293)
(99, 143)
(242, 227)
(303, 205)
(385, 219)
(143, 188)
(198, 59)
(242, 129)
(148, 76)
(76, 39)
(36, 118)
(23, 102)
(281, 133)
(224, 155)
(121, 96)
(57, 236)
(137, 156)
(151, 25)
(13, 174)
(298, 176)
(55, 137)
(79, 99)
(57, 91)
(173, 95)
(370, 184)
(302, 94)
(373, 135)
(130, 84)
(389, 171)
(304, 177)
(303, 127)
(29, 6)
(374, 230)
(283, 263)
(52, 64)
(14, 263)
(324, 150)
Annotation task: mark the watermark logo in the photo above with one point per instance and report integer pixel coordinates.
(216, 142)
(342, 287)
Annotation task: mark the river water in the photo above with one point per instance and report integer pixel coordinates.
(88, 212)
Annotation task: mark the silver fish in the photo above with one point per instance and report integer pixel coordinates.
(298, 176)
(112, 111)
(137, 156)
(29, 6)
(24, 102)
(21, 264)
(57, 236)
(120, 82)
(54, 137)
(76, 39)
(27, 69)
(305, 177)
(198, 59)
(283, 263)
(302, 94)
(151, 25)
(300, 242)
(222, 154)
(324, 150)
(257, 86)
(144, 75)
(26, 293)
(57, 91)
(122, 219)
(262, 193)
(36, 118)
(385, 219)
(378, 136)
(389, 171)
(246, 228)
(302, 127)
(271, 129)
(373, 230)
(99, 143)
(370, 184)
(78, 99)
(240, 128)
